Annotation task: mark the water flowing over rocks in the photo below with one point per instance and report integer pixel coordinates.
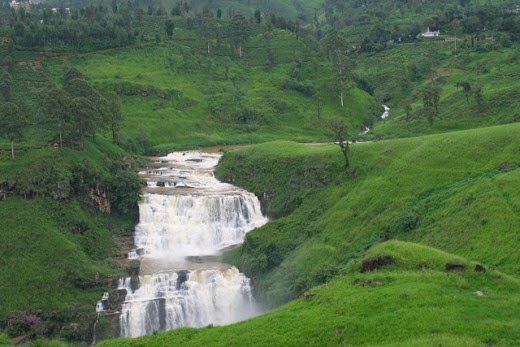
(186, 216)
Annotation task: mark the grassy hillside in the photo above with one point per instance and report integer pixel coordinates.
(413, 302)
(492, 68)
(455, 191)
(197, 105)
(59, 243)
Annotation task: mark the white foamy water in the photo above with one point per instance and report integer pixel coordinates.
(187, 212)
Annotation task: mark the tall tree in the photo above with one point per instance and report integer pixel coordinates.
(335, 44)
(84, 119)
(58, 108)
(12, 123)
(115, 115)
(240, 31)
(209, 29)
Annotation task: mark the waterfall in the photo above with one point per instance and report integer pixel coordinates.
(186, 215)
(385, 114)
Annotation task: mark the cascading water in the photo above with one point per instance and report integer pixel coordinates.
(187, 214)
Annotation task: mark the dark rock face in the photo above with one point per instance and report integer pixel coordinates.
(480, 268)
(373, 264)
(455, 267)
(182, 276)
(134, 282)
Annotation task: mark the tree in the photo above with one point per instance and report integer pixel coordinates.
(84, 118)
(125, 189)
(408, 111)
(258, 16)
(115, 115)
(58, 107)
(339, 135)
(5, 85)
(209, 29)
(71, 74)
(239, 31)
(478, 93)
(466, 87)
(432, 96)
(170, 26)
(12, 123)
(335, 45)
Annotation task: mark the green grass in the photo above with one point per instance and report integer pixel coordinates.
(415, 297)
(456, 192)
(58, 257)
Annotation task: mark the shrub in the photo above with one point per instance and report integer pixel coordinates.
(25, 323)
(407, 221)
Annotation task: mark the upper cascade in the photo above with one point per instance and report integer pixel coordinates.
(186, 211)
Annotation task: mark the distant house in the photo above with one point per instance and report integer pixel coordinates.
(25, 4)
(429, 33)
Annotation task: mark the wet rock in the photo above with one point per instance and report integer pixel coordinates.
(134, 282)
(182, 276)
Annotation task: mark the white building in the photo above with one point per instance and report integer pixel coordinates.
(429, 33)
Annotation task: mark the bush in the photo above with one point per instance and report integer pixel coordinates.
(125, 190)
(25, 323)
(47, 176)
(407, 221)
(306, 88)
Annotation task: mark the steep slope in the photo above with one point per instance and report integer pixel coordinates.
(455, 191)
(62, 233)
(413, 301)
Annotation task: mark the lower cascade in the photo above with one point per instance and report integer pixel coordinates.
(186, 217)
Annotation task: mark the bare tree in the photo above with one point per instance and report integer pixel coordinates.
(339, 135)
